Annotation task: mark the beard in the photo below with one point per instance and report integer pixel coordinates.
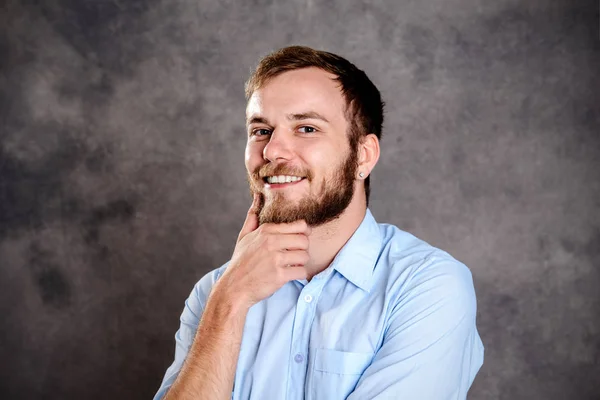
(335, 194)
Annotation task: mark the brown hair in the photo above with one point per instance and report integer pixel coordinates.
(364, 108)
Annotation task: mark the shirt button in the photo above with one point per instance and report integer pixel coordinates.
(308, 298)
(298, 358)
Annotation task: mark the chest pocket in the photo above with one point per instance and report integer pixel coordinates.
(335, 373)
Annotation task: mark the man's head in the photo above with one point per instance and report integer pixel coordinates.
(311, 115)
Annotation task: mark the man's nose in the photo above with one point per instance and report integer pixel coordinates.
(278, 147)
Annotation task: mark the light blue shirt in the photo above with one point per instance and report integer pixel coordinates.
(392, 317)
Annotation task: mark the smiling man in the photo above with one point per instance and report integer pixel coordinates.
(319, 301)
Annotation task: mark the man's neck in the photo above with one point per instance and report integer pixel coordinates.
(327, 240)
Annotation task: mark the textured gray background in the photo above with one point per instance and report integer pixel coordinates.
(122, 179)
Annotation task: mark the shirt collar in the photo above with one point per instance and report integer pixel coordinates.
(356, 260)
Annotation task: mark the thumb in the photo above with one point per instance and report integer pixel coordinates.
(251, 222)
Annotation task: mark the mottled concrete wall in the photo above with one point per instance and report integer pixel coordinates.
(122, 178)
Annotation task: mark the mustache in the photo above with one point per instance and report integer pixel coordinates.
(280, 169)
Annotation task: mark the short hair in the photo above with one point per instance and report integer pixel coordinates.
(364, 107)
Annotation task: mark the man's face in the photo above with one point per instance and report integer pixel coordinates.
(298, 156)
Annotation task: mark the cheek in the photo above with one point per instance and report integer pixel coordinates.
(247, 158)
(320, 159)
(253, 156)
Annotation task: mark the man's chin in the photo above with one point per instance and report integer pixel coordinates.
(280, 215)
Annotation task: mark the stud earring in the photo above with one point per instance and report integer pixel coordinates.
(361, 174)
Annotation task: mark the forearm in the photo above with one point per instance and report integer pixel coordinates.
(209, 369)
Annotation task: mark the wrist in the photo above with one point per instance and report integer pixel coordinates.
(227, 304)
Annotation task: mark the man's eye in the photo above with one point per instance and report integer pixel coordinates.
(308, 129)
(261, 132)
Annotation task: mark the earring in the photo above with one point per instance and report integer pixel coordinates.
(361, 174)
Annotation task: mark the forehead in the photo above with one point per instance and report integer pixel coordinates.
(299, 91)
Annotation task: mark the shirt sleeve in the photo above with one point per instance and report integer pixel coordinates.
(189, 320)
(431, 349)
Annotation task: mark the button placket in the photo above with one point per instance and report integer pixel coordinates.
(305, 312)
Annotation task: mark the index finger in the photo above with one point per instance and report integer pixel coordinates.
(299, 226)
(251, 222)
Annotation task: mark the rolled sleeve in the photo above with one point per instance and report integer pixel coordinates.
(189, 320)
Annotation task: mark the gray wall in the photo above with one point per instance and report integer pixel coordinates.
(122, 178)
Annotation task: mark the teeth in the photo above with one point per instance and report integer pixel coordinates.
(283, 179)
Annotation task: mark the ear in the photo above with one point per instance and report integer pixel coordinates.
(368, 154)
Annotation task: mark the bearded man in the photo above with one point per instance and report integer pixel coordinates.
(319, 301)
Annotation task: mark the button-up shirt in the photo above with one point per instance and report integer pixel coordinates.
(392, 317)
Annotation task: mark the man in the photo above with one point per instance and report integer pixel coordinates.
(319, 301)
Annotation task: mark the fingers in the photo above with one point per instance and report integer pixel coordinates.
(299, 226)
(251, 222)
(294, 257)
(289, 242)
(292, 273)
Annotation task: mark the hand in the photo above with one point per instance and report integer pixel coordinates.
(265, 258)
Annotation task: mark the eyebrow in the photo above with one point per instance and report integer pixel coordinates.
(307, 115)
(255, 119)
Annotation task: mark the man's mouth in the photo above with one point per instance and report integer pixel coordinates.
(282, 180)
